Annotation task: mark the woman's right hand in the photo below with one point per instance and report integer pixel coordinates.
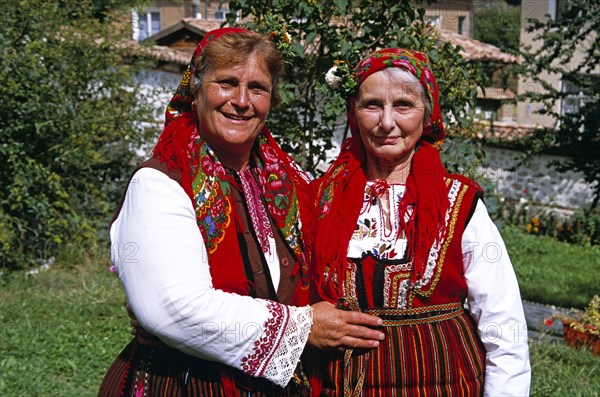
(341, 329)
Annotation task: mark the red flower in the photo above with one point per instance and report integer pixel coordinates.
(275, 185)
(269, 154)
(549, 321)
(207, 165)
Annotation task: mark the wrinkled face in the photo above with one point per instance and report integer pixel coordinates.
(232, 107)
(389, 112)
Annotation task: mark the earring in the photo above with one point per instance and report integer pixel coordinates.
(194, 106)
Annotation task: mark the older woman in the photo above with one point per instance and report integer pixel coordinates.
(209, 243)
(398, 237)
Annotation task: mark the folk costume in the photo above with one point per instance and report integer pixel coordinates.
(413, 254)
(212, 262)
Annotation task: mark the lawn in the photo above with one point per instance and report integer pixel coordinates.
(62, 328)
(553, 272)
(60, 331)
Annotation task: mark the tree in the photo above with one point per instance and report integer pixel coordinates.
(576, 132)
(498, 24)
(326, 32)
(70, 118)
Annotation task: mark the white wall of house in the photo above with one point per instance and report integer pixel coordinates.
(156, 88)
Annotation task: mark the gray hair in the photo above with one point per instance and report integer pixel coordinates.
(406, 77)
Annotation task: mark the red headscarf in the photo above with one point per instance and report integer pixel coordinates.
(340, 191)
(283, 186)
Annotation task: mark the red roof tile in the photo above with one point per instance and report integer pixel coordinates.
(475, 50)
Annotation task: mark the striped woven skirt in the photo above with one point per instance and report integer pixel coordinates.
(431, 351)
(149, 368)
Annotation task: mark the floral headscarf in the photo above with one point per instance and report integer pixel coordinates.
(339, 193)
(282, 184)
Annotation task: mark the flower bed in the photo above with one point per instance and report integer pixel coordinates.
(578, 339)
(582, 329)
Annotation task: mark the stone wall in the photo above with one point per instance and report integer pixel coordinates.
(536, 181)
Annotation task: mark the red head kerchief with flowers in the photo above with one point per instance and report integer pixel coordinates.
(339, 193)
(283, 185)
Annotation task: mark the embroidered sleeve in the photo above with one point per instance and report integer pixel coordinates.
(161, 260)
(277, 351)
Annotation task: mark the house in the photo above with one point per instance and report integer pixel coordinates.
(526, 111)
(560, 192)
(451, 15)
(164, 14)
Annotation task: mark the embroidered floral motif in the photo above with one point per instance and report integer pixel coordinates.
(280, 197)
(326, 195)
(365, 228)
(211, 192)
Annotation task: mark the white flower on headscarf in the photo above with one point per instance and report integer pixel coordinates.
(332, 80)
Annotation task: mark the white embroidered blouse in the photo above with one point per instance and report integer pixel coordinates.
(161, 259)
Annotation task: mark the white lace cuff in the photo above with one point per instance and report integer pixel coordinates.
(277, 350)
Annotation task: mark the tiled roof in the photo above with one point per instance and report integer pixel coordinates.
(207, 26)
(161, 53)
(505, 132)
(475, 50)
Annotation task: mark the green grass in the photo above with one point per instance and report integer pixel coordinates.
(61, 329)
(558, 371)
(551, 271)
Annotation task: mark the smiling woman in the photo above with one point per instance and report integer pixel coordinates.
(211, 248)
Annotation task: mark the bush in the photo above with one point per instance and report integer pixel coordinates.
(69, 119)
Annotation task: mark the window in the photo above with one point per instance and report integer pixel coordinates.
(462, 25)
(560, 8)
(434, 20)
(557, 8)
(574, 99)
(220, 14)
(148, 24)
